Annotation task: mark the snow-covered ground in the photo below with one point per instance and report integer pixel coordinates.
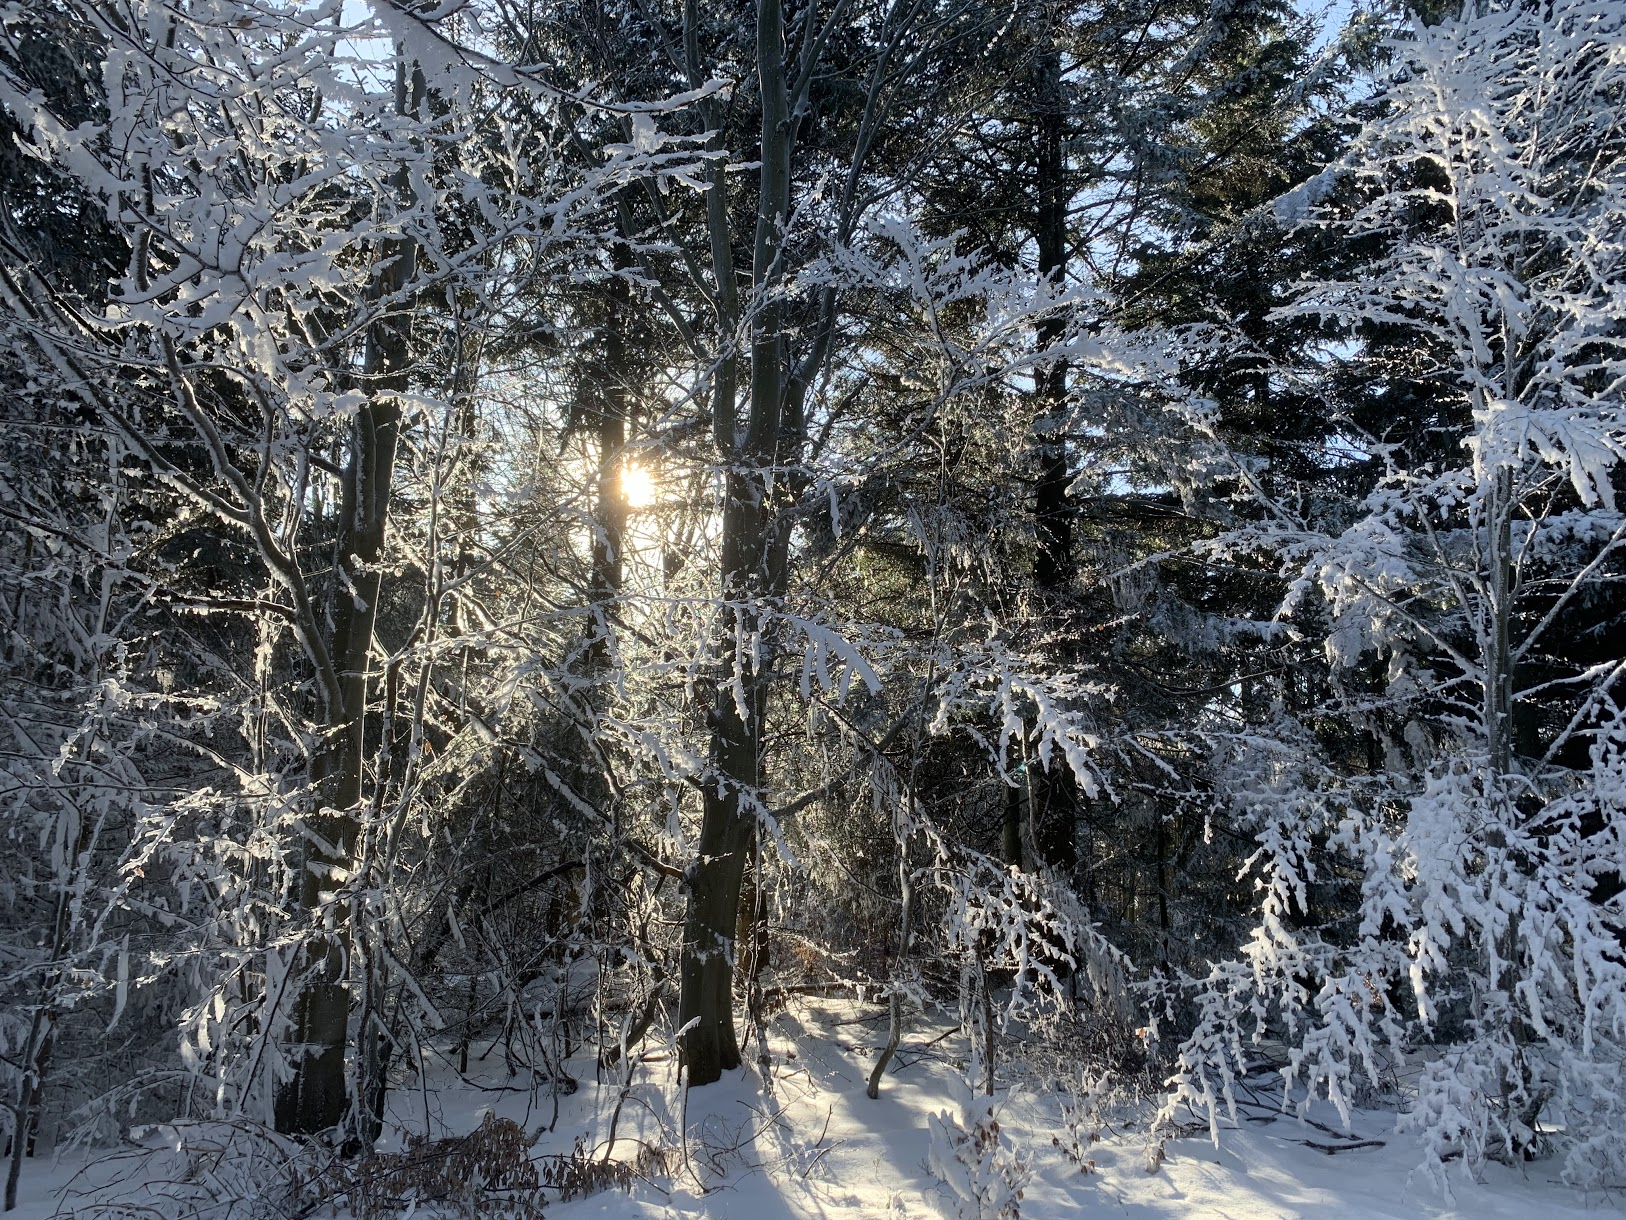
(817, 1148)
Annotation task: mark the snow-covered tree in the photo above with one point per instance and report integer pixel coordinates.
(1463, 601)
(307, 204)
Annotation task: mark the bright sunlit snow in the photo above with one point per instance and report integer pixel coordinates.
(814, 1147)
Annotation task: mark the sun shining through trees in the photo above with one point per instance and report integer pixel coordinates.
(1083, 533)
(638, 486)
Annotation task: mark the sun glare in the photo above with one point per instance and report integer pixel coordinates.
(637, 486)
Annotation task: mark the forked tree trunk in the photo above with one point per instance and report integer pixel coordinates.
(753, 569)
(316, 1098)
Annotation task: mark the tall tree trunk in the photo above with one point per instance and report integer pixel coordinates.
(1521, 1097)
(753, 569)
(1054, 804)
(316, 1098)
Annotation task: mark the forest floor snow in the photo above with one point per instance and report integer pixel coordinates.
(815, 1147)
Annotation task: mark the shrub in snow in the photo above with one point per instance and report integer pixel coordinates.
(983, 1176)
(487, 1174)
(1084, 1117)
(201, 1171)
